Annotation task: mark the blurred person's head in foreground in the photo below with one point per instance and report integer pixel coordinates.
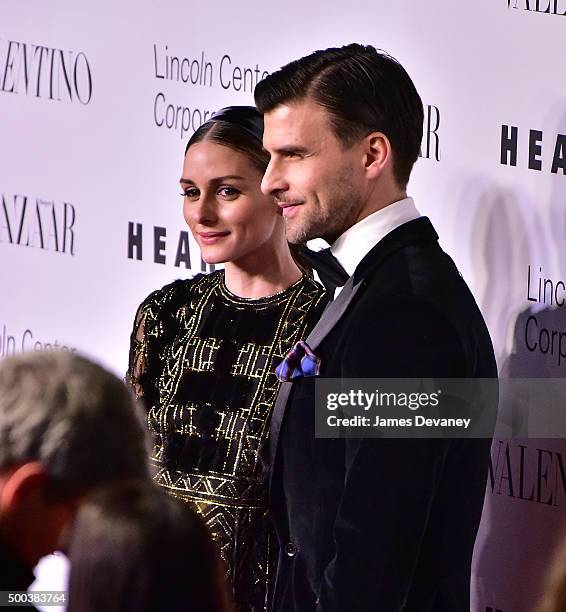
(135, 548)
(67, 426)
(554, 597)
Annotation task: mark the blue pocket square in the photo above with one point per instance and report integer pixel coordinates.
(299, 361)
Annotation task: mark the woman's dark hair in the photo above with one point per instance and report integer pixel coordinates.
(134, 548)
(362, 89)
(239, 128)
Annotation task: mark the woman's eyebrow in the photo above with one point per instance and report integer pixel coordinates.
(217, 179)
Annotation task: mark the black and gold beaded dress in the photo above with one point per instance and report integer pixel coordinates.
(204, 360)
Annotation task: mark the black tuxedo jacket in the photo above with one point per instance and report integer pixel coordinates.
(383, 525)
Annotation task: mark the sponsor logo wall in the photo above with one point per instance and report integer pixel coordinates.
(96, 106)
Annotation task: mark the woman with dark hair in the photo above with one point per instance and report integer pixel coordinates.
(204, 351)
(135, 549)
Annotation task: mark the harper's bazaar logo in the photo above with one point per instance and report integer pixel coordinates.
(158, 237)
(45, 72)
(525, 472)
(430, 146)
(553, 7)
(533, 142)
(38, 223)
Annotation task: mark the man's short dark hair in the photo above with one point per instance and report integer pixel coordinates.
(362, 89)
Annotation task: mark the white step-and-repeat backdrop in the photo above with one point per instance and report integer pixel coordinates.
(97, 101)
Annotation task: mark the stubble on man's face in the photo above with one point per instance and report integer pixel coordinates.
(328, 213)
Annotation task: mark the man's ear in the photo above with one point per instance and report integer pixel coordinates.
(378, 154)
(22, 482)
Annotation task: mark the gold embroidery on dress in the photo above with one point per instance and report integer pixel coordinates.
(175, 354)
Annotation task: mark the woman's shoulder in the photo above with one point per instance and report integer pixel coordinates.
(313, 293)
(312, 286)
(310, 300)
(177, 293)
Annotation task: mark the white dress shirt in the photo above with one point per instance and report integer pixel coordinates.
(357, 241)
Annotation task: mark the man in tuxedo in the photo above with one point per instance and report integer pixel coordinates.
(369, 524)
(67, 426)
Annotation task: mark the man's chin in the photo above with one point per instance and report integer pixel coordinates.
(300, 236)
(296, 232)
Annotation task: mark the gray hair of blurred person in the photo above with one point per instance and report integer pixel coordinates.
(75, 418)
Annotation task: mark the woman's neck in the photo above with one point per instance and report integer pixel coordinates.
(262, 273)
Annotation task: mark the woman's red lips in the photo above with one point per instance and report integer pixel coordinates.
(211, 237)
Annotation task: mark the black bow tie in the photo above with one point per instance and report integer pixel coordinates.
(329, 269)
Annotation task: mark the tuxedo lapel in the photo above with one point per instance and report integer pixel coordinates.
(332, 314)
(414, 232)
(276, 421)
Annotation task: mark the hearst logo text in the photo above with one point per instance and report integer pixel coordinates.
(545, 152)
(161, 251)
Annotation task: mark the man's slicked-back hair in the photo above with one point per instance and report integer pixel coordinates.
(362, 89)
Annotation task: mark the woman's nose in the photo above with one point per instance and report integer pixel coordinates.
(203, 211)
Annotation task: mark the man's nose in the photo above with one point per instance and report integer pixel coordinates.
(273, 180)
